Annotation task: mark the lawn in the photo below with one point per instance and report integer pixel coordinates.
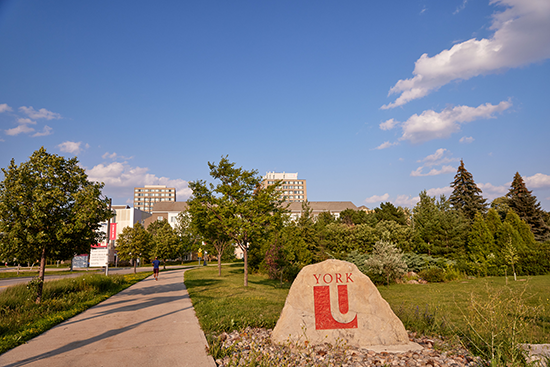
(488, 315)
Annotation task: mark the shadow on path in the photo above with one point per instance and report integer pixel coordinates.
(77, 344)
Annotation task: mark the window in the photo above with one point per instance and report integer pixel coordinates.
(160, 218)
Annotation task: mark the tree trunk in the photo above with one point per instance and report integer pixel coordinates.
(219, 264)
(135, 265)
(245, 256)
(41, 273)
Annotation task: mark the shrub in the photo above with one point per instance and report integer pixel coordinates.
(433, 275)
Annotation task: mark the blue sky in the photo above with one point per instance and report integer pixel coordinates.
(367, 101)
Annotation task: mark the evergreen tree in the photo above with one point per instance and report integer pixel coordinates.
(524, 204)
(480, 242)
(388, 211)
(493, 221)
(466, 196)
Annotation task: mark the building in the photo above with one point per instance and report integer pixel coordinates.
(166, 210)
(292, 188)
(145, 197)
(318, 207)
(124, 216)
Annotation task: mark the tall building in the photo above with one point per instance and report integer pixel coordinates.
(292, 188)
(145, 197)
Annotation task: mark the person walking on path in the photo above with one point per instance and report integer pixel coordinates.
(156, 264)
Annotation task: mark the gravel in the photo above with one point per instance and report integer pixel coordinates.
(253, 347)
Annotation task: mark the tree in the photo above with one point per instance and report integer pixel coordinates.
(466, 196)
(525, 204)
(165, 241)
(48, 208)
(133, 243)
(388, 211)
(244, 208)
(480, 243)
(439, 230)
(209, 227)
(189, 238)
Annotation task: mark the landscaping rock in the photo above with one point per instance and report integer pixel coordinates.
(333, 302)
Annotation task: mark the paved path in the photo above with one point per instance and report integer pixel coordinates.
(152, 323)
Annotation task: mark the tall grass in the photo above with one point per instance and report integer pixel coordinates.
(22, 319)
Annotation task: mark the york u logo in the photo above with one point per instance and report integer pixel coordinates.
(324, 315)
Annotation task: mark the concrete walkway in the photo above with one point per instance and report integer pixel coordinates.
(152, 323)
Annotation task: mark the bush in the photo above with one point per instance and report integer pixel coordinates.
(433, 275)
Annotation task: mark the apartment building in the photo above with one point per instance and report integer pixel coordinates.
(292, 188)
(145, 197)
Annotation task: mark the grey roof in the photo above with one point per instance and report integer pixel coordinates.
(165, 207)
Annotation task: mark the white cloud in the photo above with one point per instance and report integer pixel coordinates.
(520, 38)
(5, 108)
(385, 145)
(25, 121)
(21, 129)
(466, 140)
(377, 198)
(406, 200)
(114, 156)
(71, 147)
(40, 114)
(121, 178)
(490, 191)
(461, 7)
(388, 125)
(439, 158)
(438, 191)
(537, 181)
(433, 171)
(45, 132)
(431, 125)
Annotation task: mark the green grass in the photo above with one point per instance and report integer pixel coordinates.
(22, 274)
(486, 315)
(21, 319)
(224, 304)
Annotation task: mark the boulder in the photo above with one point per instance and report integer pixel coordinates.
(333, 302)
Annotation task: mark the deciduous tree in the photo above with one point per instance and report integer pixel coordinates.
(133, 243)
(48, 208)
(244, 208)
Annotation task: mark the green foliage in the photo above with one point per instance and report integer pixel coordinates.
(166, 243)
(386, 260)
(48, 208)
(354, 217)
(525, 204)
(438, 229)
(388, 212)
(243, 209)
(133, 243)
(466, 196)
(418, 262)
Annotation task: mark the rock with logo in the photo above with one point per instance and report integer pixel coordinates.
(333, 302)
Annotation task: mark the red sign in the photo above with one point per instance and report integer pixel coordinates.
(112, 232)
(324, 319)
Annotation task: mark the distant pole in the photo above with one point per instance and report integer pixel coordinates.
(108, 238)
